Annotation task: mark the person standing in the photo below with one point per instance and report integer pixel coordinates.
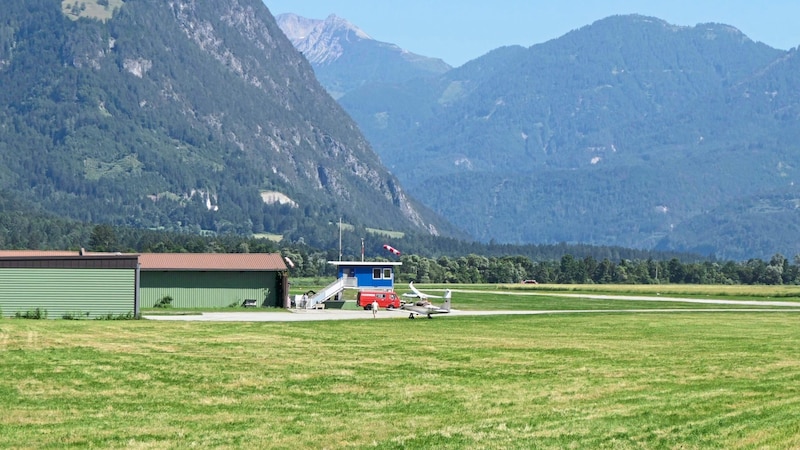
(374, 308)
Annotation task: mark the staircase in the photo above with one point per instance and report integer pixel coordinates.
(331, 290)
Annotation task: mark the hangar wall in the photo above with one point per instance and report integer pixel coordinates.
(79, 292)
(209, 289)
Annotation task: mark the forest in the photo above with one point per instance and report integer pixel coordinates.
(131, 122)
(127, 135)
(628, 132)
(425, 259)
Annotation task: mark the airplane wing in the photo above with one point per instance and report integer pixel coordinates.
(420, 294)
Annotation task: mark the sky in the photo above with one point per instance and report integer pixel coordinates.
(461, 30)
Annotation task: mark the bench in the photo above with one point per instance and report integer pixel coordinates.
(250, 302)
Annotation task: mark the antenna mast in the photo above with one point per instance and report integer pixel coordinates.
(340, 238)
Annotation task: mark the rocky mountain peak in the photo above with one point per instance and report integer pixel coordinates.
(320, 40)
(344, 57)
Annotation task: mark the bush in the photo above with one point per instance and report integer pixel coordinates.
(165, 302)
(36, 314)
(75, 315)
(127, 316)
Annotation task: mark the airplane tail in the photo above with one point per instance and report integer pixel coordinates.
(446, 304)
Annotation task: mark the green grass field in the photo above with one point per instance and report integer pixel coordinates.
(91, 8)
(270, 236)
(681, 290)
(656, 380)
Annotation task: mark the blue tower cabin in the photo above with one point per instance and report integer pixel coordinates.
(367, 274)
(359, 275)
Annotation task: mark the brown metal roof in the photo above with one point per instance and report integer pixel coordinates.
(57, 259)
(34, 253)
(174, 261)
(212, 261)
(52, 253)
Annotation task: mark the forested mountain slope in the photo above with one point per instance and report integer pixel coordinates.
(181, 115)
(618, 133)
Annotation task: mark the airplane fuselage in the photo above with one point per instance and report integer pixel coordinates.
(423, 310)
(423, 306)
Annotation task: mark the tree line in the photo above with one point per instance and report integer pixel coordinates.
(307, 261)
(568, 269)
(39, 231)
(588, 270)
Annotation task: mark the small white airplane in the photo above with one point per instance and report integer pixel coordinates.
(423, 306)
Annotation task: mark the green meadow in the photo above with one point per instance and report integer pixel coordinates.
(605, 380)
(676, 290)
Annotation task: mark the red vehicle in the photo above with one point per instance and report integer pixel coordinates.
(385, 299)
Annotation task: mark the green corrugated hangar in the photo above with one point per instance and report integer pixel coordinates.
(66, 284)
(92, 285)
(214, 280)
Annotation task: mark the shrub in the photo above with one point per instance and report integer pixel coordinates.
(127, 316)
(36, 314)
(75, 315)
(165, 302)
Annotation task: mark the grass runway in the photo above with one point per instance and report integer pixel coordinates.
(656, 380)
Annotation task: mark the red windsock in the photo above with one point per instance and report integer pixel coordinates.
(391, 249)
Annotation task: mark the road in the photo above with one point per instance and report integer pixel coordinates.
(303, 315)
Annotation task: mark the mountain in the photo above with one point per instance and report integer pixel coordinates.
(622, 132)
(761, 115)
(182, 115)
(344, 57)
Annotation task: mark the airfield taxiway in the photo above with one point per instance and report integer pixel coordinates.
(338, 314)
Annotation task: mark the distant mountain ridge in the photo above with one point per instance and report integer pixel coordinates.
(182, 115)
(618, 133)
(345, 57)
(320, 41)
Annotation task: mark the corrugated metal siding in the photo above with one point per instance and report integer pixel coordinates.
(209, 289)
(97, 292)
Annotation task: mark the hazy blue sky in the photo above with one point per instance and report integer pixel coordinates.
(460, 30)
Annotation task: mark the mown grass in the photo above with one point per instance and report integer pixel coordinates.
(763, 292)
(721, 380)
(683, 290)
(523, 297)
(471, 297)
(476, 301)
